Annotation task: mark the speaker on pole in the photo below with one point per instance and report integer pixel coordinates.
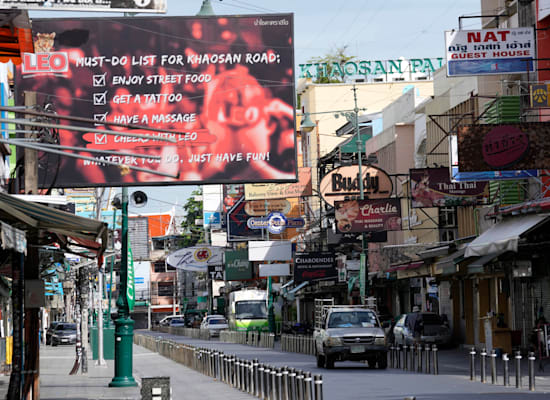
(138, 199)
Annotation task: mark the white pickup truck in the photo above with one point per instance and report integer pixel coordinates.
(348, 332)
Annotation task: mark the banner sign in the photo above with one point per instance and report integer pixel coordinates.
(368, 215)
(343, 184)
(270, 250)
(215, 272)
(13, 238)
(275, 223)
(135, 6)
(255, 191)
(458, 176)
(314, 266)
(500, 147)
(130, 282)
(195, 258)
(263, 207)
(490, 51)
(432, 187)
(237, 227)
(266, 270)
(203, 77)
(237, 266)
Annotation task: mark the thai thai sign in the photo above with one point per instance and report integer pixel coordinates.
(369, 67)
(432, 187)
(258, 191)
(368, 215)
(501, 147)
(141, 6)
(343, 184)
(237, 266)
(314, 266)
(200, 77)
(490, 51)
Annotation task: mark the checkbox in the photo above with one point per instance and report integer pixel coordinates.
(99, 80)
(100, 99)
(100, 118)
(100, 138)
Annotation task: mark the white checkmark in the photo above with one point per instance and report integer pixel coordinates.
(99, 80)
(100, 99)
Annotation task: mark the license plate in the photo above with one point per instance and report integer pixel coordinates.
(64, 340)
(357, 349)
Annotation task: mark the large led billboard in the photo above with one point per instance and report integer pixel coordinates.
(225, 84)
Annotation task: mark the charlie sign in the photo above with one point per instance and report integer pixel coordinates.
(201, 77)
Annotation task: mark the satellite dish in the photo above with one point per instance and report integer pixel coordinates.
(138, 199)
(117, 202)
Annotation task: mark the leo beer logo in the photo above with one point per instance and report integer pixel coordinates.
(203, 254)
(55, 63)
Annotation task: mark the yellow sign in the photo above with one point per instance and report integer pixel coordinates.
(538, 95)
(261, 191)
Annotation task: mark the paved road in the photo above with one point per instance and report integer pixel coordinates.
(351, 380)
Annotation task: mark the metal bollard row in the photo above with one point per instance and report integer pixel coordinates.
(415, 358)
(298, 344)
(493, 357)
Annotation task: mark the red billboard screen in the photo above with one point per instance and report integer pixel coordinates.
(368, 215)
(225, 84)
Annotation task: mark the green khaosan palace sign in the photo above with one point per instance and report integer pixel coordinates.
(374, 67)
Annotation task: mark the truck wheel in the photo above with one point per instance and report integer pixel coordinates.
(383, 362)
(329, 362)
(320, 361)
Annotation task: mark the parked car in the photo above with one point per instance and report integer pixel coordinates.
(166, 320)
(64, 333)
(49, 331)
(430, 327)
(179, 322)
(215, 324)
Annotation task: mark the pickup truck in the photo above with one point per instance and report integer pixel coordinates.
(349, 333)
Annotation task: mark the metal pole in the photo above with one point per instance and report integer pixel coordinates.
(100, 359)
(318, 381)
(505, 361)
(124, 326)
(493, 366)
(435, 359)
(473, 364)
(483, 371)
(518, 369)
(531, 371)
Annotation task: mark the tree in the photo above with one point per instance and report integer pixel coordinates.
(336, 57)
(192, 233)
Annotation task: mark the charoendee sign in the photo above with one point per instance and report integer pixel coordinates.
(370, 67)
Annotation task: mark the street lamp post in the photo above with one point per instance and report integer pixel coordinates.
(124, 325)
(353, 117)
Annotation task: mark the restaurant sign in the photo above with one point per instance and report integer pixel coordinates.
(368, 215)
(343, 184)
(314, 266)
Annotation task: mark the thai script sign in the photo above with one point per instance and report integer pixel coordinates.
(368, 215)
(314, 266)
(200, 77)
(490, 51)
(343, 184)
(301, 188)
(432, 187)
(369, 67)
(501, 147)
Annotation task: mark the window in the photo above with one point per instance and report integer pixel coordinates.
(159, 266)
(447, 235)
(165, 288)
(447, 217)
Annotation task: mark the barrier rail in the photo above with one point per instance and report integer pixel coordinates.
(298, 344)
(259, 380)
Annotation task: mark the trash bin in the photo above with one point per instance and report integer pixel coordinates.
(108, 342)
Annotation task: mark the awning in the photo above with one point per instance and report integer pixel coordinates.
(402, 267)
(15, 35)
(434, 252)
(504, 235)
(478, 266)
(297, 288)
(447, 265)
(28, 216)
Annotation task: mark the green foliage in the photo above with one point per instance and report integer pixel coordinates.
(192, 233)
(336, 56)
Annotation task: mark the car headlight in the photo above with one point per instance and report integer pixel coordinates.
(334, 341)
(380, 341)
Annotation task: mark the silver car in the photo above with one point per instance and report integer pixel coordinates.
(424, 327)
(214, 325)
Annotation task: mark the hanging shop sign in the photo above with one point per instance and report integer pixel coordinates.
(136, 6)
(195, 258)
(237, 227)
(432, 187)
(369, 67)
(237, 266)
(314, 266)
(343, 184)
(538, 95)
(263, 207)
(490, 147)
(275, 223)
(490, 51)
(166, 78)
(368, 215)
(216, 272)
(258, 191)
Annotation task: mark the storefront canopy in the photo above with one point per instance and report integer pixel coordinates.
(505, 235)
(15, 35)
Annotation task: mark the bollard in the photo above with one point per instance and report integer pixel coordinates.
(493, 367)
(473, 364)
(483, 369)
(285, 383)
(307, 384)
(238, 373)
(531, 366)
(267, 382)
(398, 357)
(427, 359)
(518, 369)
(435, 359)
(318, 383)
(505, 360)
(300, 384)
(254, 385)
(405, 356)
(292, 394)
(413, 359)
(260, 387)
(279, 384)
(391, 356)
(419, 358)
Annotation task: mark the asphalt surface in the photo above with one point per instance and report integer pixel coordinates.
(354, 380)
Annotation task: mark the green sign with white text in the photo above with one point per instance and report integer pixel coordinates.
(237, 266)
(130, 283)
